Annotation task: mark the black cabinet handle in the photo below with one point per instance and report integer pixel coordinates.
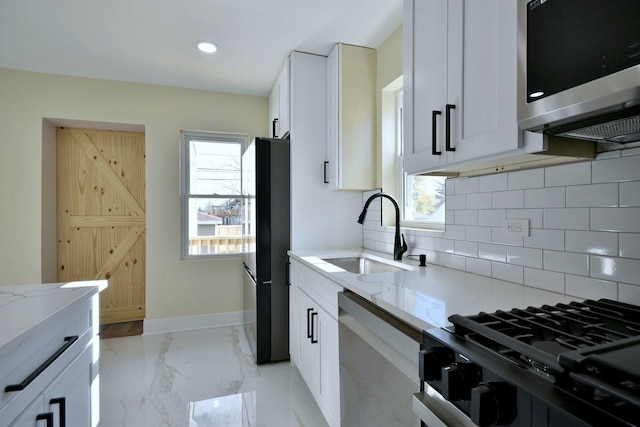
(434, 117)
(273, 128)
(447, 116)
(68, 342)
(62, 415)
(47, 417)
(313, 340)
(326, 163)
(309, 325)
(287, 278)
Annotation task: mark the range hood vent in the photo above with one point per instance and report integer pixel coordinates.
(619, 127)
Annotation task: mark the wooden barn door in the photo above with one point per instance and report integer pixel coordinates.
(101, 216)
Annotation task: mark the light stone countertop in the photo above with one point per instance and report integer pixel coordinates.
(426, 296)
(24, 308)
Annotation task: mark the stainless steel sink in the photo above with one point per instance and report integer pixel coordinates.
(363, 265)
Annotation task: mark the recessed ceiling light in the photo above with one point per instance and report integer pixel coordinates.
(206, 47)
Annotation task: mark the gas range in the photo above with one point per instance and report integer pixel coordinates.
(575, 364)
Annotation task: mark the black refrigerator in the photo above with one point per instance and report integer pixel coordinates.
(265, 184)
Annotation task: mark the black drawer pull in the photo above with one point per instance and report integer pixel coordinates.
(273, 128)
(314, 340)
(47, 417)
(447, 137)
(68, 341)
(309, 324)
(62, 415)
(325, 172)
(434, 134)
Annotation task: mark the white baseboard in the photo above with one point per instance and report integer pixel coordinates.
(192, 323)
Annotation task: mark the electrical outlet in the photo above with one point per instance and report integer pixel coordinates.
(516, 227)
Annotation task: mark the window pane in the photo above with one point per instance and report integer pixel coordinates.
(214, 167)
(424, 198)
(215, 226)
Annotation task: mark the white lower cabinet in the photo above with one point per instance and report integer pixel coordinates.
(314, 337)
(48, 378)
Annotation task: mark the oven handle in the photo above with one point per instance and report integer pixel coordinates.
(424, 413)
(435, 411)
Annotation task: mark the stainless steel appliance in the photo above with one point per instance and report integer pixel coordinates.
(265, 182)
(579, 68)
(571, 364)
(378, 365)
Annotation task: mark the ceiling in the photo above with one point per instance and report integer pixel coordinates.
(153, 41)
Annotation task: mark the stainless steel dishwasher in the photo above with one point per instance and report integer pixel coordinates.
(378, 365)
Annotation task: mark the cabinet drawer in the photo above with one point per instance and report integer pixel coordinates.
(321, 289)
(31, 360)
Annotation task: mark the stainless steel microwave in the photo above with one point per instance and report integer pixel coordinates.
(579, 68)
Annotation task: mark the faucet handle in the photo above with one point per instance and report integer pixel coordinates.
(404, 245)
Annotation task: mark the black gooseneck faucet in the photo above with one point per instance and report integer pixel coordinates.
(399, 246)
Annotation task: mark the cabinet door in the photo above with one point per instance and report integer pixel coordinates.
(29, 417)
(484, 120)
(309, 364)
(294, 313)
(329, 363)
(426, 32)
(332, 163)
(69, 396)
(283, 101)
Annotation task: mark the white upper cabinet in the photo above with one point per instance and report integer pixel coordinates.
(351, 118)
(279, 113)
(460, 85)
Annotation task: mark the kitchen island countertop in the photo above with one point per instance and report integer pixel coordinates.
(425, 297)
(25, 308)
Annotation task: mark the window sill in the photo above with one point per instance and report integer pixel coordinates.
(423, 226)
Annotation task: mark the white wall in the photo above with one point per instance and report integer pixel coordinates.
(30, 106)
(584, 219)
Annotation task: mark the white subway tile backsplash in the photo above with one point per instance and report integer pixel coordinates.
(449, 187)
(454, 261)
(571, 174)
(466, 217)
(443, 245)
(491, 183)
(466, 185)
(478, 201)
(491, 217)
(616, 170)
(566, 262)
(455, 232)
(456, 202)
(584, 227)
(531, 178)
(491, 252)
(592, 195)
(584, 287)
(617, 269)
(545, 239)
(465, 248)
(478, 234)
(499, 236)
(507, 199)
(567, 219)
(478, 266)
(624, 220)
(630, 193)
(508, 272)
(524, 256)
(592, 242)
(545, 198)
(629, 245)
(543, 279)
(629, 293)
(533, 215)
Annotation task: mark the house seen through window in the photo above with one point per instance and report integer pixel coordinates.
(211, 194)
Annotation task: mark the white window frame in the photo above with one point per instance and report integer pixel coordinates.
(185, 195)
(402, 177)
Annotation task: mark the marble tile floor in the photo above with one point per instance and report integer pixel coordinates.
(199, 378)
